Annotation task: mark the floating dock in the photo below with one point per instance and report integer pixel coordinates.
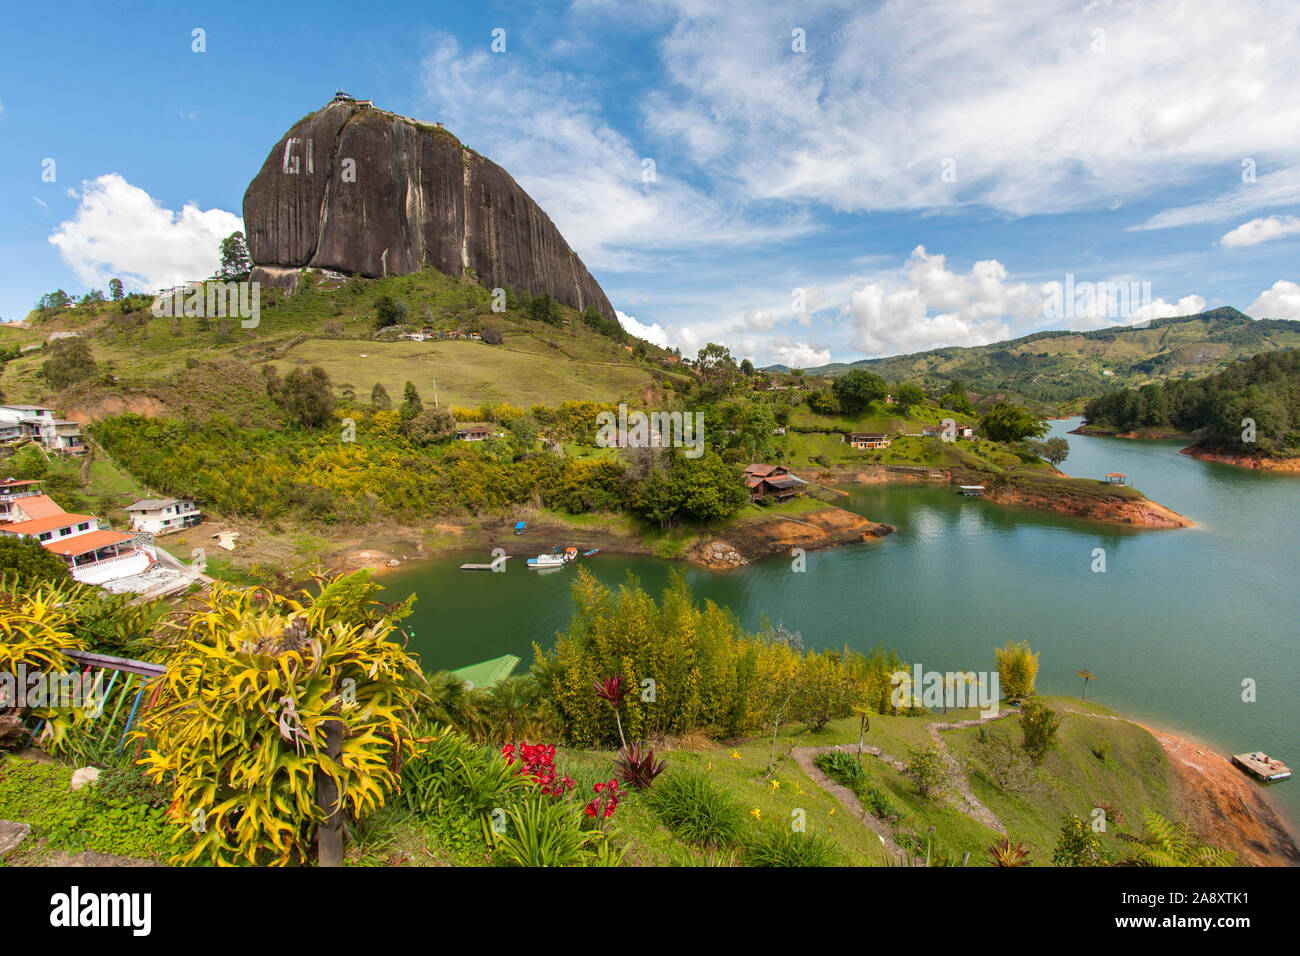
(971, 491)
(480, 567)
(1262, 766)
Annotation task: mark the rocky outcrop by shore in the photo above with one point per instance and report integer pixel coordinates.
(1121, 510)
(1227, 809)
(823, 528)
(1097, 432)
(1263, 463)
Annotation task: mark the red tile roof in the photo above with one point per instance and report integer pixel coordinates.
(16, 483)
(37, 507)
(37, 525)
(82, 543)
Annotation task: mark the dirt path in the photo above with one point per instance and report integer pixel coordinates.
(805, 757)
(964, 800)
(973, 808)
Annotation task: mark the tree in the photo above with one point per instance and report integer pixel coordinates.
(955, 399)
(30, 464)
(1017, 668)
(858, 388)
(56, 301)
(390, 311)
(931, 769)
(1077, 844)
(1087, 676)
(747, 368)
(379, 398)
(544, 309)
(411, 404)
(235, 260)
(908, 394)
(431, 425)
(524, 432)
(1038, 726)
(700, 489)
(1011, 423)
(69, 363)
(1056, 450)
(823, 403)
(717, 368)
(823, 690)
(115, 289)
(306, 397)
(30, 561)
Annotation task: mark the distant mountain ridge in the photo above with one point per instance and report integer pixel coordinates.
(1057, 367)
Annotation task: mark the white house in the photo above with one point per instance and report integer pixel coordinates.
(93, 554)
(164, 515)
(41, 424)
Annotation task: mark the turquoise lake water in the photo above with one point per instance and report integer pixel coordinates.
(1171, 629)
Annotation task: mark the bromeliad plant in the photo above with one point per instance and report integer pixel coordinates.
(637, 766)
(240, 721)
(34, 633)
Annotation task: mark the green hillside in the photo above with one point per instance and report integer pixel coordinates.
(1062, 369)
(203, 365)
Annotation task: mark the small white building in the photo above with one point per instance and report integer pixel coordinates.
(164, 515)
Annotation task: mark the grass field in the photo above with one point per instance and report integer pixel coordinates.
(471, 373)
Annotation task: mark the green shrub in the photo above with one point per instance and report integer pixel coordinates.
(844, 769)
(776, 845)
(540, 831)
(1038, 726)
(877, 801)
(697, 810)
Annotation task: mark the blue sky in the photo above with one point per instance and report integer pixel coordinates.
(924, 175)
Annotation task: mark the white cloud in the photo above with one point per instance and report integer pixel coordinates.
(798, 354)
(545, 127)
(1261, 230)
(190, 115)
(1282, 301)
(926, 305)
(866, 119)
(1280, 188)
(1160, 309)
(120, 230)
(757, 320)
(2, 108)
(654, 334)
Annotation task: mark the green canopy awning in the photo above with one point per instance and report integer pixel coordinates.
(486, 673)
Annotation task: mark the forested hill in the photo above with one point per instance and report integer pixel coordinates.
(1061, 369)
(1264, 390)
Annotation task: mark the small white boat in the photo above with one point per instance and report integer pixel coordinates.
(543, 561)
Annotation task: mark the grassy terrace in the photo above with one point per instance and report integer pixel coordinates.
(1072, 780)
